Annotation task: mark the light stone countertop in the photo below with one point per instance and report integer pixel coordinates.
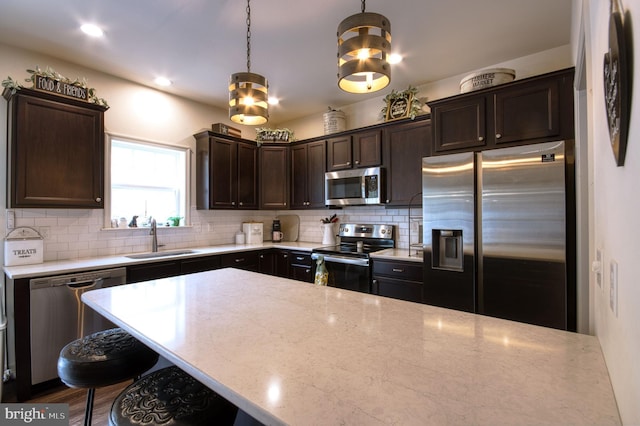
(94, 263)
(288, 352)
(398, 254)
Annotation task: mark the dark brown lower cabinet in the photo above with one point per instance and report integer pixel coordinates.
(152, 271)
(399, 280)
(247, 260)
(200, 264)
(274, 262)
(302, 266)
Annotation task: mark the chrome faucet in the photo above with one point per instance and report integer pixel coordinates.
(154, 235)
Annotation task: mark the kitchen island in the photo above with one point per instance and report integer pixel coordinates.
(288, 352)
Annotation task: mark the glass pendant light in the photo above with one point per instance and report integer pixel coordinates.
(248, 91)
(364, 44)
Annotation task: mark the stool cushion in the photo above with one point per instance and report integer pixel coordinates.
(104, 358)
(170, 397)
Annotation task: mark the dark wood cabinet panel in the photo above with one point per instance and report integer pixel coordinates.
(274, 177)
(200, 264)
(308, 166)
(55, 151)
(226, 173)
(360, 149)
(528, 112)
(532, 110)
(152, 271)
(397, 279)
(267, 262)
(404, 145)
(339, 156)
(248, 260)
(301, 266)
(459, 124)
(367, 148)
(247, 176)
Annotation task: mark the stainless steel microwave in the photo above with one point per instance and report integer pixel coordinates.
(354, 187)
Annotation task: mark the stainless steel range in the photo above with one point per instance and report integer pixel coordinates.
(349, 262)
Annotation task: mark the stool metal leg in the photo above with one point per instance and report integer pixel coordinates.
(89, 407)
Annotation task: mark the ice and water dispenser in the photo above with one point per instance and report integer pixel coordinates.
(447, 253)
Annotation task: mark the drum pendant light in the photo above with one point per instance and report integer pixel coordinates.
(364, 44)
(248, 91)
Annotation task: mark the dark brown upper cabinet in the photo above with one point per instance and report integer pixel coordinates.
(55, 151)
(526, 111)
(274, 177)
(308, 165)
(356, 150)
(226, 173)
(405, 144)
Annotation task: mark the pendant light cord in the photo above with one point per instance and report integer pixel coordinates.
(363, 5)
(249, 35)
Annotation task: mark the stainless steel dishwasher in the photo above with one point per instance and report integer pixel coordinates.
(58, 316)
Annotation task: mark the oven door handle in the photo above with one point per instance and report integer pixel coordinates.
(347, 260)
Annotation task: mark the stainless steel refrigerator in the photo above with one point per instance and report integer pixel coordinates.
(498, 233)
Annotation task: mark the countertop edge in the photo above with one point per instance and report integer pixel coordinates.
(59, 267)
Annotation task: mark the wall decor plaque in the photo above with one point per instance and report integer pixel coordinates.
(402, 104)
(617, 85)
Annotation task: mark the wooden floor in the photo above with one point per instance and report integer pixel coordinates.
(76, 398)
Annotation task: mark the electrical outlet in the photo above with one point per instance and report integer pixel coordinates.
(613, 287)
(11, 219)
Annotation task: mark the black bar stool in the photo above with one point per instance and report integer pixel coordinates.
(101, 359)
(170, 397)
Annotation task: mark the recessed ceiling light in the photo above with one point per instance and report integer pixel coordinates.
(394, 58)
(163, 81)
(273, 100)
(92, 30)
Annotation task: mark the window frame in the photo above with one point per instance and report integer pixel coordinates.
(109, 137)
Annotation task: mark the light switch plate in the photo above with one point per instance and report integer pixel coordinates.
(613, 287)
(11, 219)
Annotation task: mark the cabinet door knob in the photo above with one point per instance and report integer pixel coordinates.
(498, 135)
(240, 203)
(357, 162)
(480, 138)
(348, 163)
(233, 203)
(98, 200)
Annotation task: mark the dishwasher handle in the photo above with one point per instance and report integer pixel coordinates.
(84, 285)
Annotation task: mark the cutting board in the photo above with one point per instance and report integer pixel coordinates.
(290, 226)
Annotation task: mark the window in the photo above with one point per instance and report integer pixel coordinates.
(147, 180)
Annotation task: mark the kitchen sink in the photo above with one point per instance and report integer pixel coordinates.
(159, 254)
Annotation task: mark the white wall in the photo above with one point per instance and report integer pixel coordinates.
(615, 222)
(366, 113)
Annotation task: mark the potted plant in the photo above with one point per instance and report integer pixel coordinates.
(174, 220)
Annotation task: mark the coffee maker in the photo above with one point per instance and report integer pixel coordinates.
(276, 232)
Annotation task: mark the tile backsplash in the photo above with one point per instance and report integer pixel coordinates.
(77, 233)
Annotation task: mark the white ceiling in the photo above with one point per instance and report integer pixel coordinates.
(199, 43)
